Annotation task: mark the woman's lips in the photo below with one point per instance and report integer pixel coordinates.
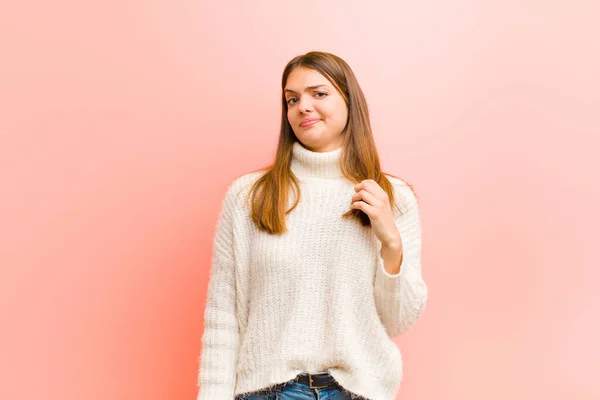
(309, 122)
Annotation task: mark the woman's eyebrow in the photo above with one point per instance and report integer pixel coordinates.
(306, 88)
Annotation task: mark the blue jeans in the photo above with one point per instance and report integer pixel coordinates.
(293, 390)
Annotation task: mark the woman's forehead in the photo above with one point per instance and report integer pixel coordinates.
(305, 79)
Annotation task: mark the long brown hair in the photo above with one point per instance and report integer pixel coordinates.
(358, 159)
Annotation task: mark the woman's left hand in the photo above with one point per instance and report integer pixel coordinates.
(374, 201)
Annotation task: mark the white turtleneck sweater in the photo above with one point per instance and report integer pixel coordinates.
(314, 299)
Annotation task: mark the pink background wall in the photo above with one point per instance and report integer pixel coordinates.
(121, 124)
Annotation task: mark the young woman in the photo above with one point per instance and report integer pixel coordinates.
(316, 259)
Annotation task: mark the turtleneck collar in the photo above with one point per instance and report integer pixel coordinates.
(311, 164)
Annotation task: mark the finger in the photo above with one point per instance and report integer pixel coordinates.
(366, 196)
(371, 186)
(361, 205)
(364, 184)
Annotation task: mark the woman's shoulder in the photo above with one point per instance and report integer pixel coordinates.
(394, 180)
(240, 186)
(404, 192)
(243, 182)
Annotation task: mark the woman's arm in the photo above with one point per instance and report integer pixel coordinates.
(400, 297)
(392, 256)
(220, 341)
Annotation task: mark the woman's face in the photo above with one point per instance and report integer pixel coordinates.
(316, 110)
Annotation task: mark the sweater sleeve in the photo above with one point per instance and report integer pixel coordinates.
(220, 341)
(400, 298)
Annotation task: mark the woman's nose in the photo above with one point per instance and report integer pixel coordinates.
(304, 105)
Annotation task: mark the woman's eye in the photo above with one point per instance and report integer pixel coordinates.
(291, 101)
(321, 94)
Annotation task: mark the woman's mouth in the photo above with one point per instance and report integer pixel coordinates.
(309, 122)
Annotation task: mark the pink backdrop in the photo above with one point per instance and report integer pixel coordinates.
(121, 124)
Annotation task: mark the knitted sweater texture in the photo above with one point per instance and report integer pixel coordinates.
(314, 299)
